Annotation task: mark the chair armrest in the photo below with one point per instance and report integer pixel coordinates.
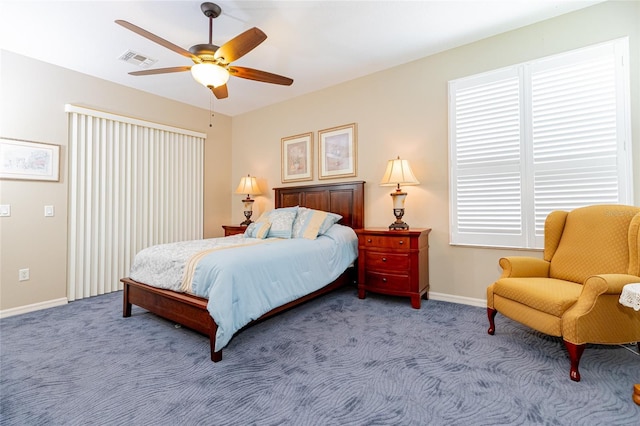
(523, 266)
(583, 321)
(597, 285)
(609, 283)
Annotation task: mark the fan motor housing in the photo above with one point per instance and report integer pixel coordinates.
(205, 51)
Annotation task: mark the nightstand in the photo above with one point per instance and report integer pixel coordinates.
(233, 229)
(394, 262)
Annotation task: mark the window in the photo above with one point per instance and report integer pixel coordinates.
(551, 134)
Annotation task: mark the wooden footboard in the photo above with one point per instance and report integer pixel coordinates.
(191, 311)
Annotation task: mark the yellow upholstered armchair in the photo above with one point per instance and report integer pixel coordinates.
(590, 254)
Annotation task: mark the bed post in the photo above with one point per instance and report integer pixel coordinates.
(126, 305)
(213, 330)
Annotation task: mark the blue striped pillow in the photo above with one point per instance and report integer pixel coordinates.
(310, 223)
(258, 230)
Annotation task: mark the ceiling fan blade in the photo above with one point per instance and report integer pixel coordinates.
(257, 75)
(240, 45)
(220, 92)
(160, 71)
(162, 42)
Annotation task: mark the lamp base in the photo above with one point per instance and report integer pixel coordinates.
(247, 215)
(398, 224)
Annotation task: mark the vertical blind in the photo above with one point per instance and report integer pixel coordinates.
(132, 184)
(552, 134)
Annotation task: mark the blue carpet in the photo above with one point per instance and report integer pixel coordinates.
(337, 360)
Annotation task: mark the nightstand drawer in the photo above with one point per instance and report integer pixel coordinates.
(388, 282)
(387, 262)
(384, 241)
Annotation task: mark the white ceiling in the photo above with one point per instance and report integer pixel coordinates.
(317, 43)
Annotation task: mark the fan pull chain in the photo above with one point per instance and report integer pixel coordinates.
(210, 109)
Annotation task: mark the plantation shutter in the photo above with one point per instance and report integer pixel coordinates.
(575, 133)
(486, 159)
(553, 134)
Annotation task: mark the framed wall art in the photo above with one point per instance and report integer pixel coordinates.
(29, 160)
(297, 158)
(338, 151)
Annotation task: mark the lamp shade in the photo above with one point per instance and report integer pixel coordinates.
(210, 75)
(248, 185)
(398, 173)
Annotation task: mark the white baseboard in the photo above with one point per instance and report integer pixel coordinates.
(34, 307)
(443, 297)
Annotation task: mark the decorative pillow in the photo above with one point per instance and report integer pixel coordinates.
(258, 230)
(281, 221)
(310, 223)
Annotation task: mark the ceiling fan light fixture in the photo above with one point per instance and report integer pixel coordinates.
(210, 75)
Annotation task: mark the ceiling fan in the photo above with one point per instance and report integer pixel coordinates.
(212, 64)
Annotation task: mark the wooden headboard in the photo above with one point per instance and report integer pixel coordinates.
(345, 199)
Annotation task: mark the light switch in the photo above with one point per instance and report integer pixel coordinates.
(5, 210)
(49, 211)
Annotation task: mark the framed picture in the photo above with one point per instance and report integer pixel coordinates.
(338, 151)
(29, 160)
(297, 158)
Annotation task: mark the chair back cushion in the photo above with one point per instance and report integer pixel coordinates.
(595, 240)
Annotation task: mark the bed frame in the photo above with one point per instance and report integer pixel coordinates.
(345, 199)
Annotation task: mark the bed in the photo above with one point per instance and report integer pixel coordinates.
(344, 199)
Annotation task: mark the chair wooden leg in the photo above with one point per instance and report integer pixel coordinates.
(575, 352)
(491, 314)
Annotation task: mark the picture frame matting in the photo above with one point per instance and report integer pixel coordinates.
(25, 160)
(338, 152)
(297, 158)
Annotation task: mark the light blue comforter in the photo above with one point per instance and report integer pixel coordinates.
(244, 283)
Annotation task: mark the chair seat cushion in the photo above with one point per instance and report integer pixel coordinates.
(548, 295)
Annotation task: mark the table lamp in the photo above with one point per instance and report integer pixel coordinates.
(248, 185)
(398, 173)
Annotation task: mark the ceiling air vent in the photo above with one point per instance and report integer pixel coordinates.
(137, 59)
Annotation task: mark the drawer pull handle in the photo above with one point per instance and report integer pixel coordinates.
(401, 242)
(368, 240)
(384, 280)
(384, 259)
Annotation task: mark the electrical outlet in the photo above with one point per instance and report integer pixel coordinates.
(23, 274)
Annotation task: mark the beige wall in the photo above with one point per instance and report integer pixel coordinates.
(403, 111)
(33, 95)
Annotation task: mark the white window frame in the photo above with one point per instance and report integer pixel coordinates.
(501, 186)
